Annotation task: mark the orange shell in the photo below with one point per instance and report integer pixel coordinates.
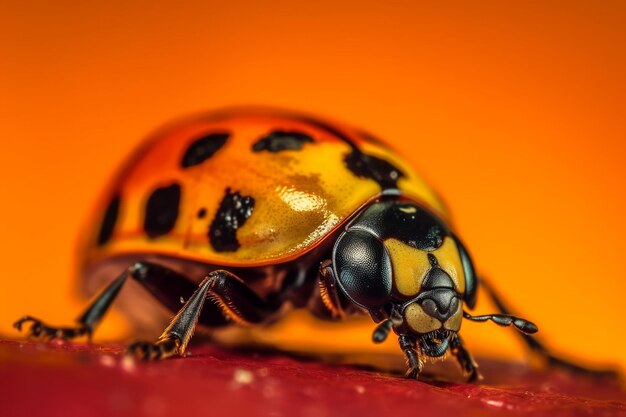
(300, 196)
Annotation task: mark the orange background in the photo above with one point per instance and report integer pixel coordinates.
(514, 111)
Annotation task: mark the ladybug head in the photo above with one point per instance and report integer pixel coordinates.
(400, 262)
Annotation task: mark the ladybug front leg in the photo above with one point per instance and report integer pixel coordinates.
(413, 362)
(328, 294)
(328, 302)
(465, 359)
(236, 301)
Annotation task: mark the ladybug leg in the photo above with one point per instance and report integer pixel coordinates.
(39, 330)
(236, 301)
(465, 359)
(86, 322)
(171, 289)
(382, 331)
(384, 327)
(539, 348)
(168, 286)
(415, 365)
(326, 302)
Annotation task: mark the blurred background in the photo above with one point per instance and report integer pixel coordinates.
(513, 111)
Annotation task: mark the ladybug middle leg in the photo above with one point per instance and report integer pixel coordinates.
(167, 286)
(236, 301)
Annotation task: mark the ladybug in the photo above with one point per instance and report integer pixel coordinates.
(262, 211)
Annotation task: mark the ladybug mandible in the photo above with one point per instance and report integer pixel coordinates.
(262, 211)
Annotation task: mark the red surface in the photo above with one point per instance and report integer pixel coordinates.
(82, 380)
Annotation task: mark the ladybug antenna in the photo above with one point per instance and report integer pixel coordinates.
(523, 325)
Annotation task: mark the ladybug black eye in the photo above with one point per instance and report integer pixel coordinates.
(363, 269)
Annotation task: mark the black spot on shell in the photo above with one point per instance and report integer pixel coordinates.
(383, 172)
(108, 223)
(362, 164)
(280, 140)
(203, 148)
(234, 210)
(162, 210)
(202, 213)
